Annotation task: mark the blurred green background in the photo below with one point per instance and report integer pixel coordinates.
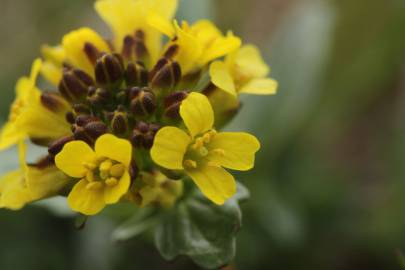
(329, 183)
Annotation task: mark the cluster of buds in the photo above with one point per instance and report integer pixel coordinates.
(124, 98)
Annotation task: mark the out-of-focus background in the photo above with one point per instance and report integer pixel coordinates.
(328, 188)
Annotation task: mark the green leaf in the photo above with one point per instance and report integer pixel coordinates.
(201, 230)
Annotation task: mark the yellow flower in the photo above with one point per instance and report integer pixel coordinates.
(126, 17)
(29, 117)
(197, 44)
(243, 71)
(72, 52)
(202, 152)
(103, 173)
(29, 183)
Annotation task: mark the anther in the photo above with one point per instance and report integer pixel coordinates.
(190, 164)
(90, 176)
(105, 166)
(112, 181)
(94, 185)
(117, 170)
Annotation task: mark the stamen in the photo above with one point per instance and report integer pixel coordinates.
(203, 151)
(111, 181)
(94, 185)
(198, 144)
(117, 170)
(90, 176)
(105, 166)
(190, 164)
(89, 165)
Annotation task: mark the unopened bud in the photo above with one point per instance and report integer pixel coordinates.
(81, 108)
(109, 69)
(136, 74)
(95, 129)
(143, 101)
(119, 123)
(53, 102)
(98, 96)
(74, 84)
(143, 134)
(55, 147)
(91, 52)
(166, 74)
(172, 104)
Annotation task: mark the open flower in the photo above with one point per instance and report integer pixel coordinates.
(33, 114)
(202, 152)
(103, 173)
(243, 71)
(29, 183)
(196, 45)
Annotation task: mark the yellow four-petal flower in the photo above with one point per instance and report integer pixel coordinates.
(103, 172)
(202, 152)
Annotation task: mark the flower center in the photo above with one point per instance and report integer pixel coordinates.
(103, 172)
(200, 150)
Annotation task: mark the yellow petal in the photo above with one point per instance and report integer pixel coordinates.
(161, 24)
(52, 67)
(73, 45)
(197, 113)
(13, 192)
(222, 77)
(220, 47)
(264, 86)
(10, 135)
(84, 200)
(114, 148)
(73, 157)
(249, 62)
(214, 182)
(169, 147)
(113, 194)
(45, 182)
(234, 150)
(190, 49)
(127, 16)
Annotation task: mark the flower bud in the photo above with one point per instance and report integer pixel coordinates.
(172, 104)
(144, 134)
(74, 84)
(166, 74)
(81, 108)
(91, 52)
(143, 101)
(119, 122)
(55, 147)
(53, 102)
(95, 129)
(136, 74)
(98, 96)
(89, 129)
(109, 69)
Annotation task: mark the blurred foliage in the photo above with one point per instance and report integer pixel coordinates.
(327, 190)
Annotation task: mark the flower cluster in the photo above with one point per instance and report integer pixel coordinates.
(132, 117)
